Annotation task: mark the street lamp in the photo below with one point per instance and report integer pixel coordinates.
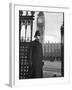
(62, 47)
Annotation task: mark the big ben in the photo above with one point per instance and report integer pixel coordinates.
(41, 25)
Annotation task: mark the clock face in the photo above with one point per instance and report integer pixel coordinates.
(40, 20)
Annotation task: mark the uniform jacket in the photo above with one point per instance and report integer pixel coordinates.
(37, 63)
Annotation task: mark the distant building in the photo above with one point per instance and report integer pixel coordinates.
(52, 50)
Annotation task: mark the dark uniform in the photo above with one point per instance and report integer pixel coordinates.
(37, 63)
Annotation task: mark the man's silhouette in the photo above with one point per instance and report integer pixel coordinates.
(37, 55)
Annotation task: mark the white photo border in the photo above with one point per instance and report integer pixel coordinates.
(14, 60)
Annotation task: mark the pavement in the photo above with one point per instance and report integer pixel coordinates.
(51, 69)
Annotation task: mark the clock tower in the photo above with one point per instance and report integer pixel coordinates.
(41, 25)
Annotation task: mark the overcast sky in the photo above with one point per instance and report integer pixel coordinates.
(53, 22)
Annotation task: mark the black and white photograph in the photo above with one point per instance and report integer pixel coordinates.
(36, 44)
(41, 44)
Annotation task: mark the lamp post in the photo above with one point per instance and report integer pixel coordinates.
(62, 48)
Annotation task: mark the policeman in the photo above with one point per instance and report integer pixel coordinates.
(37, 57)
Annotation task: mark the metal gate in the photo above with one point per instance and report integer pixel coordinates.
(24, 44)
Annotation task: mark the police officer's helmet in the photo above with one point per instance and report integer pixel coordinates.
(37, 33)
